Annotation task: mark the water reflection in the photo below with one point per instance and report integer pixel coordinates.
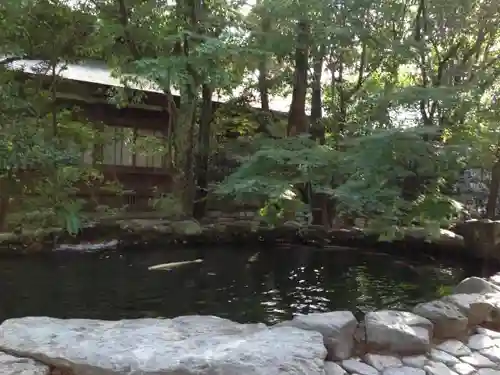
(232, 283)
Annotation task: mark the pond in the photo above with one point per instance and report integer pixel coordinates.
(241, 284)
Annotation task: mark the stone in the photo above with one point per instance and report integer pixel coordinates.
(454, 347)
(491, 301)
(332, 368)
(463, 368)
(495, 279)
(477, 360)
(415, 361)
(381, 362)
(487, 371)
(440, 356)
(337, 328)
(488, 332)
(479, 342)
(449, 321)
(492, 353)
(475, 284)
(471, 305)
(403, 371)
(188, 345)
(398, 332)
(187, 228)
(353, 366)
(438, 368)
(10, 365)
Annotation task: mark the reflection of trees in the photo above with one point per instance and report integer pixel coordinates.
(278, 284)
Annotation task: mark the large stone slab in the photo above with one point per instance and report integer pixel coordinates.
(398, 332)
(449, 321)
(337, 328)
(10, 365)
(189, 345)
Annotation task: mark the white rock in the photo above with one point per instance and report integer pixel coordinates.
(190, 345)
(381, 362)
(454, 347)
(488, 332)
(438, 368)
(475, 285)
(336, 327)
(332, 368)
(397, 331)
(487, 371)
(492, 353)
(10, 365)
(477, 360)
(440, 356)
(471, 305)
(479, 342)
(403, 371)
(449, 321)
(415, 361)
(361, 368)
(495, 279)
(463, 368)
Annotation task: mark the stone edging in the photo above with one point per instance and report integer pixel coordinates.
(456, 335)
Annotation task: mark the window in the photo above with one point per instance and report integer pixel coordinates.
(131, 147)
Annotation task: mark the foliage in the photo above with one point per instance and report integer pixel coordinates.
(409, 92)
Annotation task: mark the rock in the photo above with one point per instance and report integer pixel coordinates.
(397, 332)
(381, 362)
(358, 367)
(438, 368)
(492, 353)
(449, 322)
(188, 345)
(477, 360)
(472, 305)
(487, 371)
(490, 301)
(479, 342)
(495, 279)
(475, 284)
(463, 368)
(403, 371)
(454, 347)
(440, 356)
(488, 332)
(336, 327)
(331, 368)
(415, 361)
(187, 228)
(10, 365)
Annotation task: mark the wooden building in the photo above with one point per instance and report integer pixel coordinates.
(87, 86)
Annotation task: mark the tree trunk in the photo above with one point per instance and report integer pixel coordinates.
(491, 205)
(203, 153)
(297, 119)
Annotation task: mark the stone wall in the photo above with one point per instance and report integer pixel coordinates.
(456, 335)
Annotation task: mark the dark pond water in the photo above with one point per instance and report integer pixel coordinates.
(240, 284)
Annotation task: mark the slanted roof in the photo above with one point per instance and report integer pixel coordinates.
(99, 73)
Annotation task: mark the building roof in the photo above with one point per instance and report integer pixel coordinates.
(99, 72)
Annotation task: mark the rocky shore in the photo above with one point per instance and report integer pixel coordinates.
(456, 335)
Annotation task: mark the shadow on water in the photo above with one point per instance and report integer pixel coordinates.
(240, 284)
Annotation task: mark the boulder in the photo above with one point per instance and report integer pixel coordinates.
(472, 305)
(187, 228)
(475, 285)
(337, 328)
(449, 321)
(188, 345)
(10, 365)
(398, 332)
